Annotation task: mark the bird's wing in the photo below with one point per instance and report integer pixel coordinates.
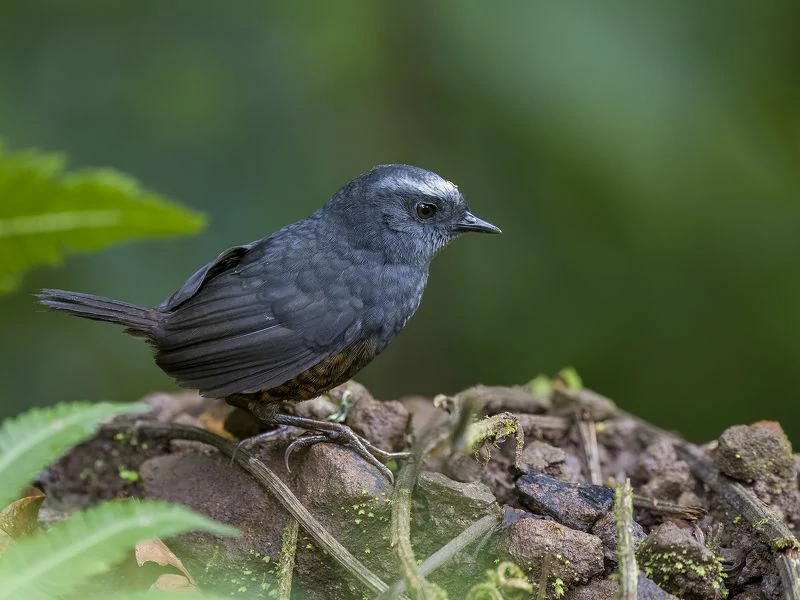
(250, 324)
(228, 259)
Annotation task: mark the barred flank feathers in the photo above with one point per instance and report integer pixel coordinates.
(138, 320)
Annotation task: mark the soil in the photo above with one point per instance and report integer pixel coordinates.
(556, 496)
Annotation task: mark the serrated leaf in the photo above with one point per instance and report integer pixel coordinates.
(34, 439)
(44, 212)
(46, 565)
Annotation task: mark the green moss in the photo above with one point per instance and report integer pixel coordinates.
(487, 433)
(126, 437)
(667, 569)
(128, 474)
(88, 474)
(507, 581)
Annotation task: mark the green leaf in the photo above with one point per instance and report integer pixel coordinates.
(49, 564)
(34, 439)
(541, 385)
(44, 212)
(571, 378)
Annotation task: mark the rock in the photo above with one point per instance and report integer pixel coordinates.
(647, 589)
(319, 408)
(540, 457)
(620, 445)
(209, 484)
(424, 416)
(667, 476)
(327, 474)
(758, 562)
(351, 499)
(349, 392)
(767, 589)
(573, 557)
(606, 529)
(599, 589)
(451, 506)
(760, 451)
(594, 406)
(548, 428)
(605, 589)
(382, 423)
(575, 505)
(680, 564)
(491, 399)
(166, 407)
(463, 467)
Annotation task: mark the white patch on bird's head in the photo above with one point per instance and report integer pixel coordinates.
(428, 185)
(407, 213)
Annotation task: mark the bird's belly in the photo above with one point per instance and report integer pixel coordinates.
(325, 375)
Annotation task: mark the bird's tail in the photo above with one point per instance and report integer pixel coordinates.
(139, 321)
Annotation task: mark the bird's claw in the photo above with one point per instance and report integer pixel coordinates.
(341, 434)
(302, 441)
(325, 431)
(265, 436)
(344, 437)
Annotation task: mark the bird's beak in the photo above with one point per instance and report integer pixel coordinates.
(472, 223)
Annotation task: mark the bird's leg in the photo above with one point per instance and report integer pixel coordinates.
(281, 432)
(323, 431)
(341, 434)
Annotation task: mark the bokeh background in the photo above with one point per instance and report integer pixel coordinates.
(643, 160)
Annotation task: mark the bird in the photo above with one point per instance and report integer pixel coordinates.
(293, 315)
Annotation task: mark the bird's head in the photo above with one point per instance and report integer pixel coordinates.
(407, 212)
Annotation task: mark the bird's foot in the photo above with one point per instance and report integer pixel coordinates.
(281, 432)
(326, 431)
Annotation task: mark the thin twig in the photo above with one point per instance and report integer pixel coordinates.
(789, 570)
(662, 507)
(447, 552)
(286, 564)
(541, 587)
(626, 557)
(401, 530)
(587, 431)
(269, 480)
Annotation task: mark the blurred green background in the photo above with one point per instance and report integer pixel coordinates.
(643, 160)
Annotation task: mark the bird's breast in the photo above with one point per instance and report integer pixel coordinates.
(391, 299)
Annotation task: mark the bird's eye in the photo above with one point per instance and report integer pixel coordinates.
(425, 210)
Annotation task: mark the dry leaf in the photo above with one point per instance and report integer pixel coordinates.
(213, 419)
(172, 582)
(21, 517)
(5, 541)
(156, 551)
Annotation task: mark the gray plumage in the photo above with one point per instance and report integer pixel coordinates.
(344, 280)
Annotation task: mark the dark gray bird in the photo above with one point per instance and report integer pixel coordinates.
(291, 316)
